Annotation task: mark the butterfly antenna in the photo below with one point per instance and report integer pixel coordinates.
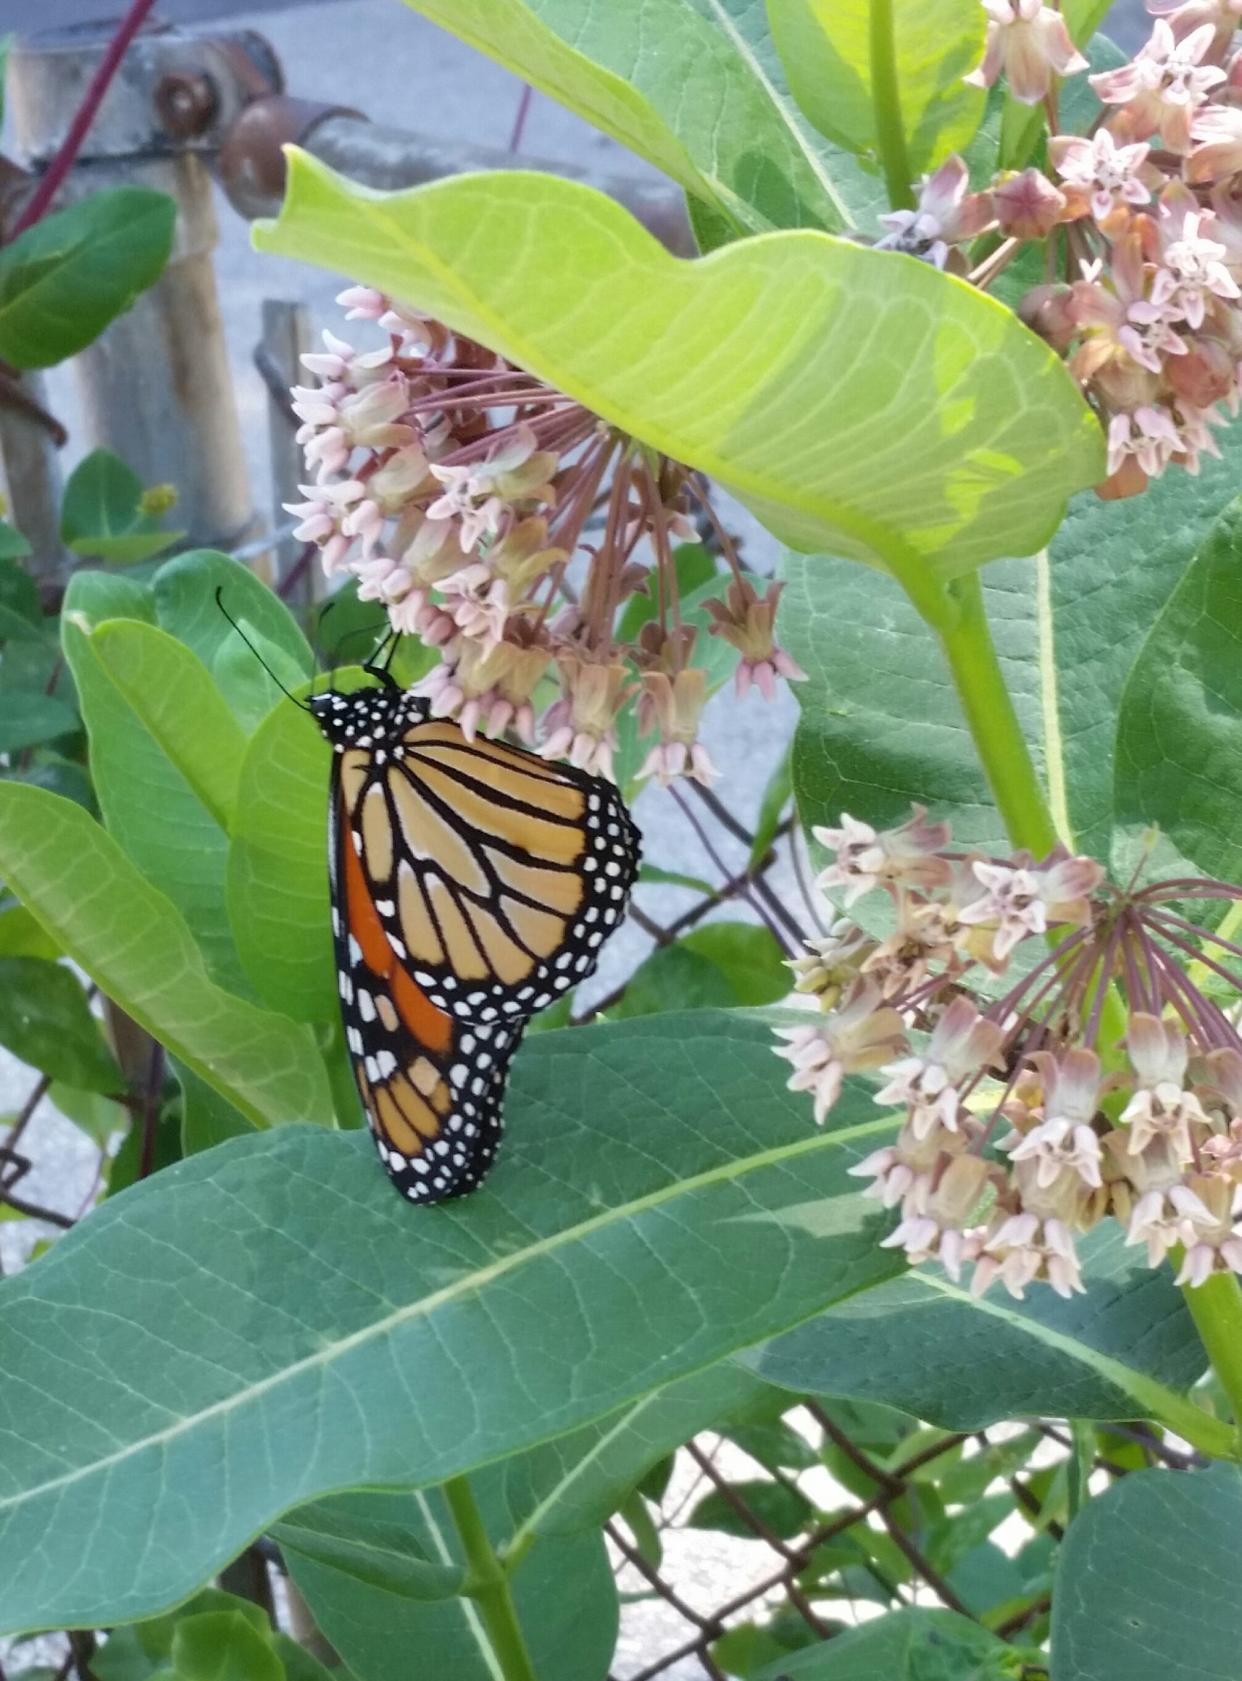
(303, 705)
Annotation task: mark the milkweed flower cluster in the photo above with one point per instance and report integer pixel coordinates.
(506, 525)
(1024, 1123)
(1143, 218)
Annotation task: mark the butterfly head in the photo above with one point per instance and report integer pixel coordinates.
(366, 718)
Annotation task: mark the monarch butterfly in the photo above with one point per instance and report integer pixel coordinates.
(473, 883)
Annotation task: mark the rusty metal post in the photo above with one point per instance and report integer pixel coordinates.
(156, 387)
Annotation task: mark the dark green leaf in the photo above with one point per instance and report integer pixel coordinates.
(904, 1646)
(103, 516)
(718, 966)
(21, 615)
(656, 877)
(45, 1020)
(773, 1443)
(64, 279)
(99, 1117)
(776, 796)
(1179, 734)
(27, 720)
(276, 1284)
(21, 935)
(139, 1650)
(1144, 1587)
(778, 1507)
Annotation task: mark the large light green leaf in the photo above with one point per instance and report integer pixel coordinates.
(674, 80)
(72, 876)
(1127, 1347)
(278, 864)
(272, 1306)
(904, 1646)
(857, 400)
(1179, 736)
(1146, 1581)
(370, 1591)
(180, 707)
(138, 732)
(827, 48)
(881, 725)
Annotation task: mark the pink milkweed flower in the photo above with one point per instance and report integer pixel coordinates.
(747, 619)
(1098, 172)
(1185, 16)
(1161, 89)
(864, 1033)
(963, 1043)
(867, 857)
(1027, 205)
(1192, 272)
(1217, 151)
(946, 214)
(1030, 44)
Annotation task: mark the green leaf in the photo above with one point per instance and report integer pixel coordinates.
(99, 1117)
(278, 865)
(958, 441)
(576, 1481)
(1126, 1348)
(102, 514)
(223, 1646)
(779, 1507)
(207, 1118)
(45, 1020)
(826, 48)
(28, 720)
(904, 1646)
(1179, 733)
(151, 807)
(21, 935)
(64, 279)
(13, 546)
(21, 613)
(1144, 1586)
(718, 966)
(369, 1592)
(290, 1296)
(881, 726)
(185, 599)
(132, 942)
(656, 877)
(173, 696)
(776, 796)
(681, 82)
(139, 1650)
(774, 1444)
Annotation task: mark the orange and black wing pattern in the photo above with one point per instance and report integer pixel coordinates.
(432, 1086)
(472, 884)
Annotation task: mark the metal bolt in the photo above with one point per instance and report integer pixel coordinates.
(185, 104)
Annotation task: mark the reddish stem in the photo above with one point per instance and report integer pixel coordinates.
(39, 201)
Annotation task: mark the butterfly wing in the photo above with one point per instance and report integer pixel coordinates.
(432, 1085)
(496, 875)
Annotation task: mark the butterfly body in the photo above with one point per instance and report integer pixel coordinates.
(473, 883)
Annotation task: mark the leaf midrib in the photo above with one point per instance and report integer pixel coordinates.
(464, 1287)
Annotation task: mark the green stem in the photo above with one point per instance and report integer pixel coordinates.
(1216, 1308)
(890, 134)
(488, 1585)
(993, 723)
